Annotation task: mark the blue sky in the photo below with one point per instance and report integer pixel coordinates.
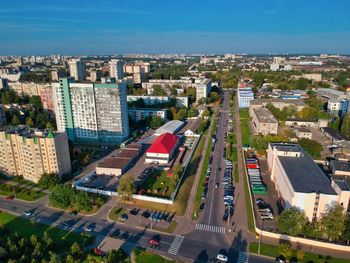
(174, 26)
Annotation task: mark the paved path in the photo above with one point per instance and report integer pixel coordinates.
(190, 204)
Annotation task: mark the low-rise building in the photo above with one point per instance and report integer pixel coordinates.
(263, 121)
(162, 149)
(340, 167)
(301, 183)
(170, 127)
(154, 100)
(278, 103)
(119, 161)
(30, 153)
(138, 114)
(301, 122)
(245, 96)
(302, 132)
(334, 135)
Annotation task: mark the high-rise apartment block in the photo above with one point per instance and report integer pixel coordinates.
(91, 112)
(77, 69)
(30, 153)
(116, 69)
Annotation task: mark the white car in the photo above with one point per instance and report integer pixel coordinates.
(222, 258)
(88, 229)
(27, 213)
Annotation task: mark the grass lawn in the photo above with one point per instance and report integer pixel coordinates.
(20, 192)
(250, 216)
(159, 184)
(235, 173)
(245, 131)
(148, 257)
(63, 239)
(188, 179)
(272, 251)
(244, 114)
(115, 213)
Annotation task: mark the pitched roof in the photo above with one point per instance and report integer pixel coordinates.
(164, 144)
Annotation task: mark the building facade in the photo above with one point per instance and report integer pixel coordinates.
(163, 149)
(245, 96)
(299, 182)
(141, 114)
(116, 69)
(77, 69)
(91, 112)
(2, 115)
(30, 153)
(154, 100)
(263, 121)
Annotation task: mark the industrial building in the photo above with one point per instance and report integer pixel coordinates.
(170, 127)
(162, 149)
(301, 183)
(30, 153)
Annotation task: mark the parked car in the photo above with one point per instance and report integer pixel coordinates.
(146, 214)
(123, 217)
(27, 213)
(222, 258)
(125, 235)
(135, 211)
(11, 197)
(115, 234)
(201, 207)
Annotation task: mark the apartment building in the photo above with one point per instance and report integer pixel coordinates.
(301, 183)
(263, 121)
(154, 100)
(91, 112)
(202, 85)
(137, 67)
(116, 69)
(141, 114)
(245, 96)
(2, 115)
(30, 153)
(77, 69)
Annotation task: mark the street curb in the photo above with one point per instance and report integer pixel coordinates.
(261, 255)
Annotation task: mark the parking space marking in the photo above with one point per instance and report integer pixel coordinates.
(243, 257)
(175, 245)
(210, 228)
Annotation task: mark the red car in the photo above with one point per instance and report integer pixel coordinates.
(10, 197)
(154, 242)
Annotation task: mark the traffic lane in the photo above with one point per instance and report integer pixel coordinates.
(202, 252)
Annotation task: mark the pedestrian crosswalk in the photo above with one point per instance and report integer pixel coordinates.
(175, 245)
(243, 257)
(210, 228)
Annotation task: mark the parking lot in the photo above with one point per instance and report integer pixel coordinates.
(265, 202)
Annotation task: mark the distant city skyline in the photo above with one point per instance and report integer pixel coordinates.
(119, 27)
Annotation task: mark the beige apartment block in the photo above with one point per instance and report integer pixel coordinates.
(263, 121)
(30, 153)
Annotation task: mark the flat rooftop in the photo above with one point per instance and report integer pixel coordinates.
(114, 162)
(25, 131)
(265, 116)
(170, 126)
(303, 173)
(335, 134)
(302, 129)
(261, 101)
(341, 166)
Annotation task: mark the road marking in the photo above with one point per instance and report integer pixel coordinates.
(243, 257)
(210, 228)
(175, 246)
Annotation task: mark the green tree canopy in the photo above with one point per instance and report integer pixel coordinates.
(334, 222)
(126, 187)
(292, 221)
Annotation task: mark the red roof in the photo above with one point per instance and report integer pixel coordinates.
(163, 144)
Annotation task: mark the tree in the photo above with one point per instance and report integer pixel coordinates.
(345, 126)
(35, 101)
(214, 96)
(126, 187)
(312, 147)
(115, 256)
(206, 113)
(158, 91)
(177, 171)
(192, 112)
(334, 222)
(61, 196)
(82, 201)
(292, 221)
(346, 232)
(156, 122)
(29, 122)
(181, 114)
(300, 254)
(15, 120)
(258, 143)
(308, 113)
(285, 250)
(76, 251)
(49, 180)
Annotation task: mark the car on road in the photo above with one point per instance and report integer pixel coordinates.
(11, 197)
(73, 213)
(201, 207)
(222, 258)
(27, 213)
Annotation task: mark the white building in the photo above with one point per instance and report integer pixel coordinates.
(301, 183)
(91, 112)
(77, 69)
(245, 96)
(154, 100)
(116, 69)
(141, 114)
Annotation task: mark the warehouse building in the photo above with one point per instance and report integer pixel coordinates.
(263, 121)
(170, 127)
